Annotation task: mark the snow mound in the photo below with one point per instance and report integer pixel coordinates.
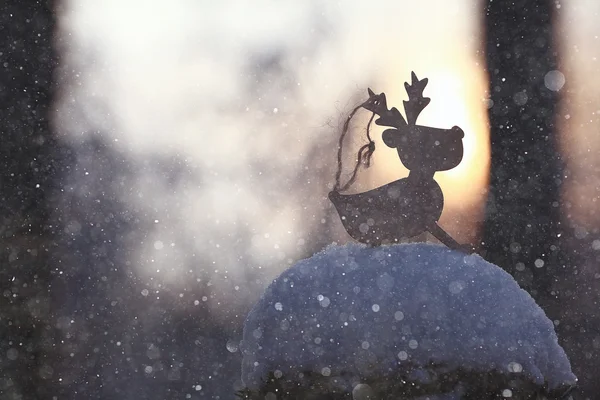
(355, 313)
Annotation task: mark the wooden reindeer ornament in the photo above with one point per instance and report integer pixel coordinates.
(409, 206)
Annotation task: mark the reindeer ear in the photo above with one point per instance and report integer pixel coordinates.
(391, 138)
(371, 93)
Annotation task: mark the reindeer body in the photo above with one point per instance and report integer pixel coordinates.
(413, 207)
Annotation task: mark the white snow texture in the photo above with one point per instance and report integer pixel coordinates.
(357, 311)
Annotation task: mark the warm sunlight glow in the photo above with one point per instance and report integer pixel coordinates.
(244, 100)
(579, 114)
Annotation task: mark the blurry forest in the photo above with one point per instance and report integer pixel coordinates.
(79, 320)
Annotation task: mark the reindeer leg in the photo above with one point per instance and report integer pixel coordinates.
(447, 240)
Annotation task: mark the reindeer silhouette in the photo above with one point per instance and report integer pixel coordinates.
(409, 206)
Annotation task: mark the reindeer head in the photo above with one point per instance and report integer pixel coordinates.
(419, 147)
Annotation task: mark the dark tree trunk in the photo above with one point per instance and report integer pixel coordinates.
(522, 223)
(27, 164)
(26, 81)
(522, 231)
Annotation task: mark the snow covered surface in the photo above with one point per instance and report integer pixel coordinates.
(354, 311)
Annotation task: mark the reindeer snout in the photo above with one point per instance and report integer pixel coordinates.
(458, 132)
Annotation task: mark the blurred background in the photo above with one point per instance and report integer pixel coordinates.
(163, 161)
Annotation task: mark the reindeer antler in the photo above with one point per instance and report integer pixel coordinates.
(416, 102)
(377, 103)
